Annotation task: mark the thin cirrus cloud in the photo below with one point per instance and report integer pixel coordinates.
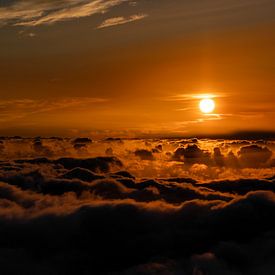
(120, 20)
(35, 13)
(22, 108)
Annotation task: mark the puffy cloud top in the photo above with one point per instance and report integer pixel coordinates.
(63, 214)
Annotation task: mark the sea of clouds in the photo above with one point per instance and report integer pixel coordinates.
(135, 206)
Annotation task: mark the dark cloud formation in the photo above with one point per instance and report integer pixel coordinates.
(144, 154)
(163, 153)
(39, 148)
(254, 155)
(82, 174)
(101, 164)
(218, 157)
(110, 139)
(191, 154)
(82, 140)
(95, 215)
(248, 156)
(241, 186)
(107, 232)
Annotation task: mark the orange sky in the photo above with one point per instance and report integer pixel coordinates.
(71, 73)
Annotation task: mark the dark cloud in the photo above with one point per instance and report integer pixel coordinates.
(232, 160)
(109, 151)
(157, 149)
(82, 141)
(117, 140)
(218, 157)
(96, 215)
(99, 164)
(123, 174)
(191, 154)
(241, 186)
(79, 237)
(82, 174)
(40, 149)
(144, 154)
(80, 146)
(254, 156)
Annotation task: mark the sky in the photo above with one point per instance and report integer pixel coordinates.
(130, 68)
(109, 160)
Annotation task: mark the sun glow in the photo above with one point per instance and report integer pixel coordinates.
(207, 105)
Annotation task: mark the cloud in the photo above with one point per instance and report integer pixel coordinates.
(82, 140)
(80, 144)
(144, 154)
(39, 148)
(34, 13)
(82, 174)
(120, 20)
(241, 186)
(99, 164)
(77, 215)
(191, 154)
(23, 33)
(179, 158)
(67, 232)
(254, 155)
(15, 109)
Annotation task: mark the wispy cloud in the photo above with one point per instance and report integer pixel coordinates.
(120, 20)
(192, 97)
(39, 12)
(20, 108)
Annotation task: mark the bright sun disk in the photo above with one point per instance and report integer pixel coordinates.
(207, 105)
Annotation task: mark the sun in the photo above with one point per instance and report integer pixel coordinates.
(207, 105)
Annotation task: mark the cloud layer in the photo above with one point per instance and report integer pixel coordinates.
(34, 13)
(120, 20)
(74, 210)
(163, 158)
